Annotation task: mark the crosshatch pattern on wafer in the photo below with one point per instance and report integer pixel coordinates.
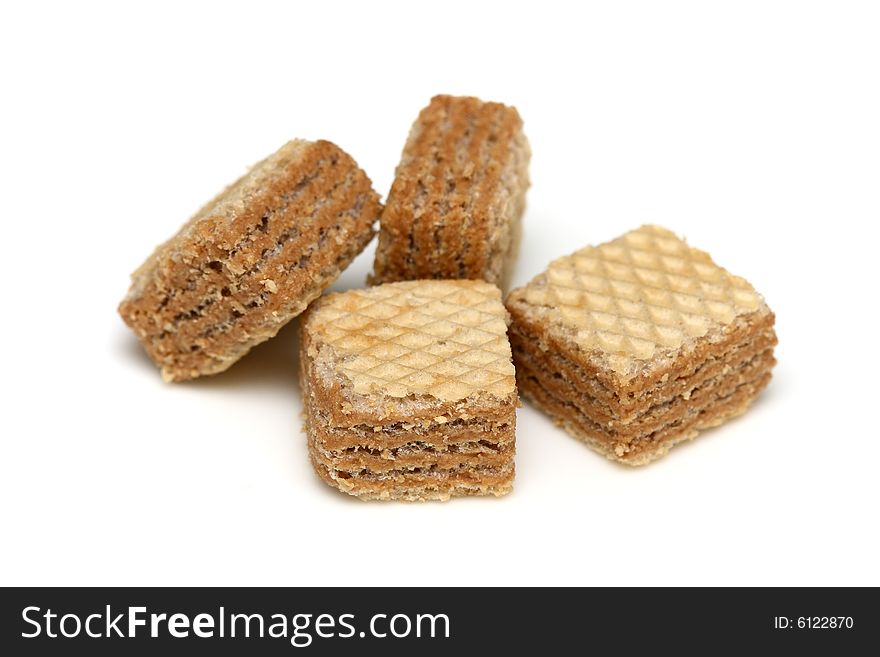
(641, 293)
(446, 339)
(638, 344)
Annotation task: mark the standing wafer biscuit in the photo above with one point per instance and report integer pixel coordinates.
(456, 204)
(409, 390)
(640, 343)
(251, 259)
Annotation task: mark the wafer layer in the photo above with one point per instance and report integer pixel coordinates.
(602, 404)
(657, 415)
(650, 447)
(416, 471)
(251, 259)
(660, 414)
(489, 449)
(455, 207)
(423, 487)
(382, 437)
(412, 459)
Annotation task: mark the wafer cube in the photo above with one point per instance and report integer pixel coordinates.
(409, 390)
(251, 259)
(455, 207)
(640, 343)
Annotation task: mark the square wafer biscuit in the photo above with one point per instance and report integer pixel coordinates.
(455, 207)
(409, 390)
(640, 343)
(251, 259)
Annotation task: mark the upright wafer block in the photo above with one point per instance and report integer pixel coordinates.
(251, 259)
(455, 207)
(409, 390)
(640, 343)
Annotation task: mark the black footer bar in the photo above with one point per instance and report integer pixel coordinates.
(425, 621)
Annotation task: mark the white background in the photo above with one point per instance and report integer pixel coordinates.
(752, 128)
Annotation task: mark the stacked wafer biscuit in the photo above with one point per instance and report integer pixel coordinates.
(409, 390)
(640, 343)
(455, 207)
(251, 259)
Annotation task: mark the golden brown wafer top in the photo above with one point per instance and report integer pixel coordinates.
(639, 296)
(444, 339)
